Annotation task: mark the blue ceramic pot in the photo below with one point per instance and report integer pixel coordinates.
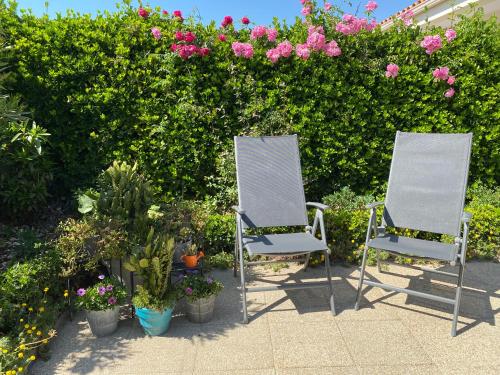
(154, 322)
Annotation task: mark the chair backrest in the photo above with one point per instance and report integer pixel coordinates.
(427, 182)
(270, 187)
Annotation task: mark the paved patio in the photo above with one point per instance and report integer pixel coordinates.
(293, 332)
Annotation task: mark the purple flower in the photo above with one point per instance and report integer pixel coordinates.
(101, 277)
(80, 292)
(101, 290)
(209, 280)
(189, 291)
(111, 300)
(109, 288)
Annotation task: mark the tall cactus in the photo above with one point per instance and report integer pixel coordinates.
(153, 263)
(125, 195)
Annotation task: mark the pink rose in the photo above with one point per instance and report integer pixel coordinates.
(164, 12)
(222, 37)
(179, 35)
(316, 41)
(156, 33)
(451, 80)
(273, 55)
(441, 73)
(189, 37)
(242, 50)
(317, 29)
(327, 7)
(332, 49)
(204, 51)
(392, 71)
(302, 51)
(306, 11)
(407, 17)
(174, 47)
(449, 93)
(228, 20)
(178, 14)
(258, 32)
(450, 34)
(431, 43)
(371, 6)
(285, 48)
(143, 13)
(272, 34)
(245, 20)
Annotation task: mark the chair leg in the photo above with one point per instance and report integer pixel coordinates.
(457, 300)
(306, 261)
(243, 291)
(379, 268)
(361, 277)
(235, 260)
(330, 288)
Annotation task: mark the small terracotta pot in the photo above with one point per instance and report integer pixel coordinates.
(191, 261)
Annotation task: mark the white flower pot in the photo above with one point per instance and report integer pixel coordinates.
(103, 323)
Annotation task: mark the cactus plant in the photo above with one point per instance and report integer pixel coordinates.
(125, 195)
(153, 263)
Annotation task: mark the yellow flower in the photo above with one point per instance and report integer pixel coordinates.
(5, 351)
(29, 331)
(26, 326)
(352, 241)
(24, 305)
(45, 289)
(33, 328)
(45, 341)
(39, 333)
(32, 358)
(20, 369)
(66, 294)
(13, 372)
(22, 346)
(20, 355)
(21, 320)
(41, 309)
(66, 291)
(30, 308)
(8, 373)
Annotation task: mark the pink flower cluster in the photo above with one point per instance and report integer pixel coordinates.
(450, 34)
(308, 7)
(261, 31)
(316, 41)
(407, 17)
(284, 49)
(143, 12)
(228, 20)
(156, 32)
(242, 50)
(327, 7)
(351, 24)
(431, 43)
(392, 71)
(443, 74)
(186, 50)
(371, 6)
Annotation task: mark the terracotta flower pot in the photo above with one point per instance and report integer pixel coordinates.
(191, 261)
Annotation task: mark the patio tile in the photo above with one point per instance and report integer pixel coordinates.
(339, 370)
(382, 343)
(268, 371)
(234, 347)
(396, 370)
(308, 344)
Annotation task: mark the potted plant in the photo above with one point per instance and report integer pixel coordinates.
(155, 298)
(101, 303)
(192, 256)
(200, 293)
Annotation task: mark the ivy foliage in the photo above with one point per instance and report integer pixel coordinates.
(106, 89)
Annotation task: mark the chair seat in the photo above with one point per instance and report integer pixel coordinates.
(414, 247)
(281, 244)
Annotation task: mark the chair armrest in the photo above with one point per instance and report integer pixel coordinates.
(319, 206)
(466, 217)
(238, 210)
(374, 205)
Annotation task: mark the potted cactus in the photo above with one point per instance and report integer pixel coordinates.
(155, 298)
(101, 303)
(200, 294)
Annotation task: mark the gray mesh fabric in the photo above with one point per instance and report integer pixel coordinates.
(415, 247)
(277, 244)
(427, 182)
(270, 188)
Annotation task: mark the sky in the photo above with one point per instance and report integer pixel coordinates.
(259, 11)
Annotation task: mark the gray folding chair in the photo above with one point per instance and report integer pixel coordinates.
(426, 192)
(271, 194)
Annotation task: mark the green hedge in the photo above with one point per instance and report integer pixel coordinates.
(106, 89)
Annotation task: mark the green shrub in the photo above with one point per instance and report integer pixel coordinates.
(111, 91)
